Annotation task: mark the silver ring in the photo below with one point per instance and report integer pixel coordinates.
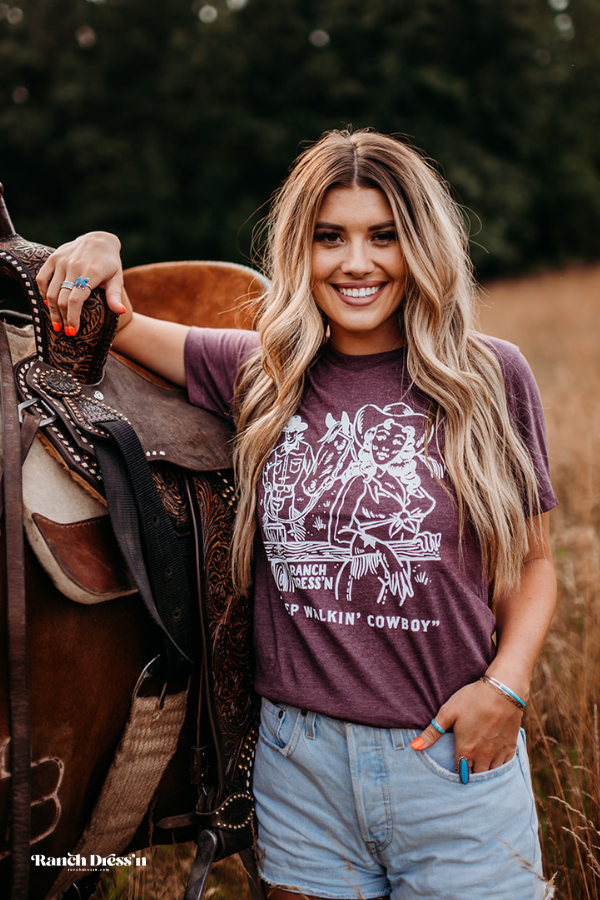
(437, 727)
(67, 285)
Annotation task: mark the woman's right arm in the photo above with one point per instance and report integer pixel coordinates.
(154, 343)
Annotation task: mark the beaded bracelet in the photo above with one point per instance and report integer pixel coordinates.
(502, 689)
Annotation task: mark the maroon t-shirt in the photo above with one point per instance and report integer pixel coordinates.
(367, 607)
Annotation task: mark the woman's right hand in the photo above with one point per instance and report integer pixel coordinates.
(94, 256)
(156, 344)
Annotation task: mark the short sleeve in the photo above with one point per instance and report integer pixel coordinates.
(526, 409)
(213, 358)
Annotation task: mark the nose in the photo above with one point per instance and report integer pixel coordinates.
(357, 259)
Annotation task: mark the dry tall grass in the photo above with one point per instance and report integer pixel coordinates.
(554, 318)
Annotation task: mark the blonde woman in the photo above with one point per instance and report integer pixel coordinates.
(392, 463)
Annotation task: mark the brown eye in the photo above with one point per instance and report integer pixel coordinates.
(327, 237)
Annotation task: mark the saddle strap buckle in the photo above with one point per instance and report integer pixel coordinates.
(49, 420)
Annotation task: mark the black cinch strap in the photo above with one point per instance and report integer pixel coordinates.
(147, 541)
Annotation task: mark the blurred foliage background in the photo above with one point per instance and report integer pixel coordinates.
(171, 122)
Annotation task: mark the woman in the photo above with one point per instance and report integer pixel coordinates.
(394, 462)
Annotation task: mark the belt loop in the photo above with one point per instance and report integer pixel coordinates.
(310, 725)
(397, 737)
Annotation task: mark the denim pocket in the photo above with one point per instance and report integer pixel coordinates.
(280, 726)
(440, 760)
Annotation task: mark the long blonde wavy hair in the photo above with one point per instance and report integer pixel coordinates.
(490, 469)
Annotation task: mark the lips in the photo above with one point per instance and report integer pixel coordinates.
(359, 294)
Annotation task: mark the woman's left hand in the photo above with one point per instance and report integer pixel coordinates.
(485, 724)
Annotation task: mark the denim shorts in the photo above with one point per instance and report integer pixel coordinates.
(351, 811)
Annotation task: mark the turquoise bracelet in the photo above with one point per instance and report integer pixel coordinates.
(505, 691)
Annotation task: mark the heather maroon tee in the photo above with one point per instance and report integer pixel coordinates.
(367, 606)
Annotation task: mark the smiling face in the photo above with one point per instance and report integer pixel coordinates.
(358, 270)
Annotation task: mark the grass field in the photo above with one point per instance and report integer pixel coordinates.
(554, 318)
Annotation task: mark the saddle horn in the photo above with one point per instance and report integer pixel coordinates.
(83, 355)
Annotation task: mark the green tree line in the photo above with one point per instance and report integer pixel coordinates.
(171, 122)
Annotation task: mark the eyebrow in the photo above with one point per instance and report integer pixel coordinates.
(379, 227)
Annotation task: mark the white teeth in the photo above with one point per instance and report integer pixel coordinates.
(359, 292)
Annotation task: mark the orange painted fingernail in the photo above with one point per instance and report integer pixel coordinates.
(45, 301)
(70, 331)
(417, 743)
(56, 326)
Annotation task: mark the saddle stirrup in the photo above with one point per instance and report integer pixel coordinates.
(205, 855)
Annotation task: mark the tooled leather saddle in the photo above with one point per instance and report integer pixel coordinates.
(81, 396)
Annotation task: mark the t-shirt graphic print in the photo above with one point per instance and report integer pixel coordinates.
(350, 508)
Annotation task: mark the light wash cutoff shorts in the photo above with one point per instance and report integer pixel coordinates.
(350, 811)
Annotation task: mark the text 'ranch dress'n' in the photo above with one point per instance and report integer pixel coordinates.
(368, 608)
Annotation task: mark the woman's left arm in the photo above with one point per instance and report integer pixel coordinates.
(523, 617)
(485, 723)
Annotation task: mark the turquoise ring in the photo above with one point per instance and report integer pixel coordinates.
(437, 727)
(81, 282)
(463, 770)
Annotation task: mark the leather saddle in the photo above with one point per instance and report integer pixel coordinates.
(76, 389)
